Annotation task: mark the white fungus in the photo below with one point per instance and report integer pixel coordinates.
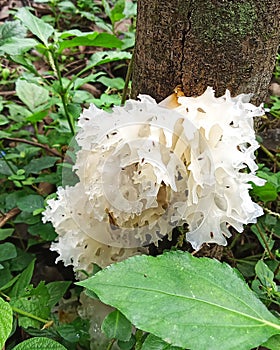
(146, 168)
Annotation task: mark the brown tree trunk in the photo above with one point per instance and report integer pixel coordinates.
(199, 43)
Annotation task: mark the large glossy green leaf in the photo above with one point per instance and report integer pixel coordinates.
(37, 26)
(39, 343)
(6, 321)
(194, 303)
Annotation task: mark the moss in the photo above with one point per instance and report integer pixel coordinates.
(223, 20)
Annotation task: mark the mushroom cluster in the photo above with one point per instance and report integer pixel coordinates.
(146, 168)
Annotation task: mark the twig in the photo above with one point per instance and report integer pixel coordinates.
(272, 212)
(270, 155)
(7, 93)
(41, 145)
(6, 217)
(272, 257)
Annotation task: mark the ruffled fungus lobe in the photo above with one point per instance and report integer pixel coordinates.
(145, 168)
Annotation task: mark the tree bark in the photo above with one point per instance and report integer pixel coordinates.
(198, 43)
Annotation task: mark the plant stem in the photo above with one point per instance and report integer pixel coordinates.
(127, 79)
(27, 314)
(265, 243)
(111, 343)
(270, 155)
(62, 94)
(45, 147)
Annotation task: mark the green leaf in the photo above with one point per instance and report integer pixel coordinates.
(36, 25)
(5, 233)
(30, 203)
(25, 62)
(6, 322)
(264, 273)
(266, 193)
(22, 260)
(154, 343)
(273, 343)
(117, 326)
(127, 345)
(7, 251)
(45, 231)
(31, 94)
(10, 30)
(93, 39)
(3, 120)
(39, 343)
(33, 301)
(196, 303)
(36, 165)
(17, 46)
(117, 11)
(108, 56)
(56, 291)
(6, 279)
(113, 83)
(4, 168)
(23, 281)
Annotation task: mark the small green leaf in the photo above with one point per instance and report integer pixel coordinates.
(266, 193)
(36, 165)
(56, 291)
(264, 273)
(154, 343)
(33, 301)
(189, 302)
(7, 251)
(45, 231)
(25, 62)
(3, 120)
(39, 115)
(23, 281)
(4, 168)
(117, 11)
(93, 39)
(30, 203)
(5, 233)
(127, 345)
(31, 94)
(36, 25)
(39, 343)
(108, 56)
(17, 46)
(273, 343)
(113, 83)
(117, 326)
(10, 30)
(6, 322)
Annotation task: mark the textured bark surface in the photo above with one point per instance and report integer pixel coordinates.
(199, 43)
